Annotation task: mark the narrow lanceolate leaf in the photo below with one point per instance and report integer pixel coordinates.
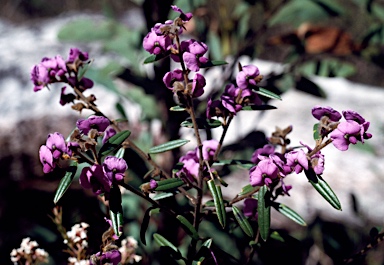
(213, 63)
(188, 227)
(120, 152)
(202, 123)
(219, 203)
(153, 58)
(258, 107)
(114, 142)
(323, 188)
(243, 221)
(162, 195)
(288, 212)
(144, 224)
(204, 252)
(177, 108)
(115, 210)
(238, 162)
(163, 242)
(65, 182)
(266, 93)
(264, 213)
(316, 132)
(167, 146)
(248, 189)
(169, 184)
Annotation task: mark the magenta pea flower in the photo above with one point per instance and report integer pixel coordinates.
(266, 150)
(153, 184)
(351, 115)
(317, 160)
(94, 178)
(39, 77)
(75, 54)
(184, 16)
(263, 173)
(108, 134)
(155, 44)
(112, 257)
(209, 149)
(114, 168)
(57, 145)
(246, 77)
(250, 208)
(190, 164)
(46, 158)
(171, 77)
(193, 56)
(318, 112)
(297, 160)
(198, 84)
(213, 107)
(66, 98)
(99, 123)
(346, 133)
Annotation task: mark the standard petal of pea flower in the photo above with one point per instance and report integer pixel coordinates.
(46, 159)
(114, 168)
(99, 123)
(56, 143)
(263, 173)
(318, 112)
(246, 77)
(93, 178)
(297, 160)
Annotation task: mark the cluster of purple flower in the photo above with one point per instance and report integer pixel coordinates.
(234, 98)
(271, 166)
(54, 70)
(191, 160)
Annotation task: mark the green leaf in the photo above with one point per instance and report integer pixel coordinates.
(211, 203)
(169, 184)
(297, 12)
(316, 132)
(214, 45)
(86, 30)
(120, 153)
(188, 227)
(276, 236)
(153, 58)
(163, 242)
(288, 212)
(144, 224)
(177, 108)
(162, 195)
(65, 182)
(238, 162)
(264, 213)
(113, 143)
(116, 210)
(258, 107)
(248, 189)
(266, 93)
(202, 123)
(242, 221)
(213, 63)
(203, 252)
(219, 203)
(323, 188)
(167, 146)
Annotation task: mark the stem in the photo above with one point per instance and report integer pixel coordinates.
(249, 259)
(319, 147)
(225, 129)
(239, 198)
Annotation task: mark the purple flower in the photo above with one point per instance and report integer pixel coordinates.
(108, 134)
(93, 177)
(351, 115)
(246, 77)
(280, 162)
(75, 54)
(209, 149)
(267, 150)
(319, 112)
(170, 77)
(99, 123)
(198, 84)
(285, 188)
(317, 161)
(39, 77)
(114, 168)
(46, 159)
(297, 160)
(110, 257)
(193, 55)
(155, 44)
(263, 173)
(66, 98)
(214, 108)
(183, 16)
(250, 208)
(191, 165)
(57, 145)
(56, 67)
(348, 132)
(153, 184)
